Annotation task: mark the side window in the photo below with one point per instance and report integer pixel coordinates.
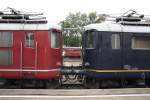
(115, 41)
(91, 41)
(29, 40)
(141, 42)
(6, 39)
(6, 57)
(55, 39)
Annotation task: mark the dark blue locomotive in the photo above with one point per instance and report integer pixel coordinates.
(117, 53)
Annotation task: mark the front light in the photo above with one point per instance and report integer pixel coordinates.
(58, 64)
(87, 64)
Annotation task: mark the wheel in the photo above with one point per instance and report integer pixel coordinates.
(91, 83)
(3, 83)
(51, 84)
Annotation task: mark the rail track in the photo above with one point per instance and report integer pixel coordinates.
(73, 82)
(68, 86)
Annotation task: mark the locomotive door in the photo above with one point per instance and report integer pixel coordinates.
(128, 54)
(29, 51)
(91, 50)
(55, 45)
(111, 52)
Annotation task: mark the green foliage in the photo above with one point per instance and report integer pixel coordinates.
(72, 41)
(73, 24)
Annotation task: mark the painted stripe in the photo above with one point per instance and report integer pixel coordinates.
(120, 71)
(85, 96)
(27, 70)
(90, 70)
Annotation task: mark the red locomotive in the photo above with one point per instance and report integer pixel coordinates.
(29, 48)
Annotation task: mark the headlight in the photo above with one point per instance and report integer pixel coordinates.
(87, 64)
(58, 64)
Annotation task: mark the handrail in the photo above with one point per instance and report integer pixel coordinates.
(36, 54)
(21, 56)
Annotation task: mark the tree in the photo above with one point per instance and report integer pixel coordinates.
(73, 24)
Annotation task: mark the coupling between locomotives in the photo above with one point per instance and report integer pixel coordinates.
(72, 70)
(72, 74)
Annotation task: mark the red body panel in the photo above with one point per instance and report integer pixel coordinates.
(40, 62)
(72, 54)
(74, 51)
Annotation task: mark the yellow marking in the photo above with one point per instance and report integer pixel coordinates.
(125, 71)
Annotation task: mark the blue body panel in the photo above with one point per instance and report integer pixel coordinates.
(103, 57)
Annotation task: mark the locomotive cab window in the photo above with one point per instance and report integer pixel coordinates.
(90, 40)
(29, 40)
(6, 57)
(6, 39)
(115, 41)
(141, 42)
(55, 39)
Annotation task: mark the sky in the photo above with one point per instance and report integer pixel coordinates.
(57, 10)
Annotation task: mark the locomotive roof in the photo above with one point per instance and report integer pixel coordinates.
(117, 27)
(23, 26)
